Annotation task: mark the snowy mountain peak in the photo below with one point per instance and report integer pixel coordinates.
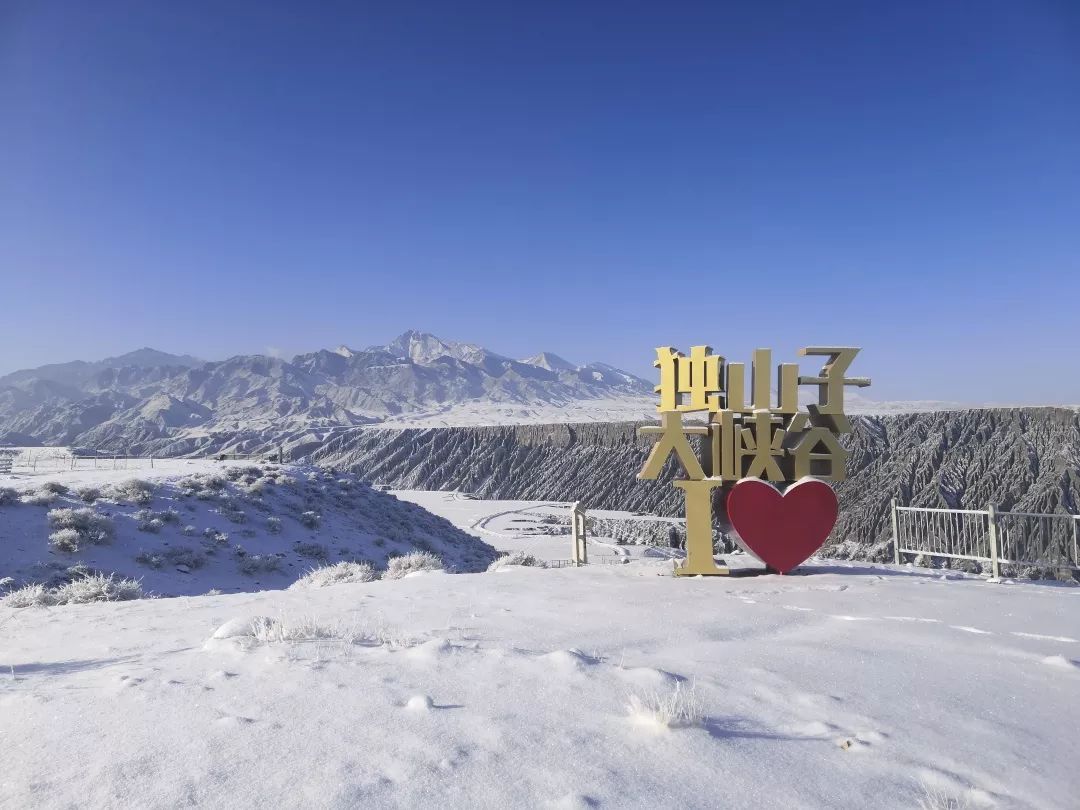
(424, 348)
(150, 358)
(344, 351)
(549, 361)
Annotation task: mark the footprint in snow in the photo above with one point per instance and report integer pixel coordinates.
(573, 801)
(569, 660)
(235, 720)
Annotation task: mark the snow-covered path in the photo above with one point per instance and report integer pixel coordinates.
(510, 525)
(846, 687)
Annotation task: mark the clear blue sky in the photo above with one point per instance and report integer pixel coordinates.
(592, 179)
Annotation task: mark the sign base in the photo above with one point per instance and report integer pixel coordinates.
(712, 568)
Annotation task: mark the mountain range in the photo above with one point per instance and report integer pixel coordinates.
(149, 401)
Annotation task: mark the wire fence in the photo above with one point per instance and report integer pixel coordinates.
(594, 559)
(1032, 539)
(46, 459)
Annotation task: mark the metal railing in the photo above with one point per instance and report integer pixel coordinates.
(991, 536)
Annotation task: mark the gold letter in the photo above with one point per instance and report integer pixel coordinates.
(699, 545)
(829, 412)
(806, 454)
(672, 438)
(761, 443)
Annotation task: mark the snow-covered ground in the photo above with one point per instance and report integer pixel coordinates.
(850, 686)
(604, 686)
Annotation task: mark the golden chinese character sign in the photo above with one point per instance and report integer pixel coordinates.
(748, 448)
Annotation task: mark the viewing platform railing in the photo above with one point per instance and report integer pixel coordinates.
(1029, 539)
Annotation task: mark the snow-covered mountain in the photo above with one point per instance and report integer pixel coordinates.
(151, 401)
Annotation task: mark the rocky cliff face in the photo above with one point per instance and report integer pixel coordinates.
(1019, 458)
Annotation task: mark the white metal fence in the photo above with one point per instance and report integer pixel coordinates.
(997, 538)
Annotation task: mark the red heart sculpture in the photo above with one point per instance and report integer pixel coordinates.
(782, 530)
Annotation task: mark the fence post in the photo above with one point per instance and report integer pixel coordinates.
(995, 565)
(895, 535)
(579, 549)
(151, 462)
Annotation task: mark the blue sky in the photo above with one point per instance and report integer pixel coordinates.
(592, 179)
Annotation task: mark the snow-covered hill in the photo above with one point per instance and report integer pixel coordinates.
(186, 527)
(607, 686)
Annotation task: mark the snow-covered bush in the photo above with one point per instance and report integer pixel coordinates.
(248, 473)
(88, 494)
(517, 558)
(185, 555)
(150, 558)
(8, 496)
(215, 537)
(188, 530)
(181, 555)
(148, 521)
(55, 487)
(310, 519)
(38, 497)
(135, 490)
(252, 564)
(66, 540)
(679, 708)
(233, 514)
(78, 527)
(316, 550)
(273, 525)
(205, 487)
(28, 596)
(337, 574)
(304, 628)
(397, 567)
(98, 588)
(93, 587)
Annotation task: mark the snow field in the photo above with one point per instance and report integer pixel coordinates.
(609, 686)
